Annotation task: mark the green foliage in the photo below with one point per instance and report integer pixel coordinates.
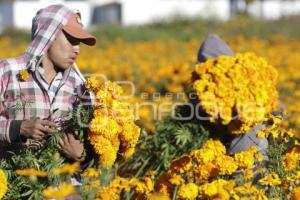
(45, 159)
(275, 152)
(172, 139)
(21, 187)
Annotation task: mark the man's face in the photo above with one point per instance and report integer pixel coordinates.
(63, 51)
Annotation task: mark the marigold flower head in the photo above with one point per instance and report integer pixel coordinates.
(246, 159)
(91, 173)
(64, 190)
(104, 148)
(144, 186)
(24, 75)
(187, 191)
(3, 184)
(67, 169)
(248, 190)
(113, 190)
(31, 172)
(105, 126)
(181, 165)
(158, 196)
(226, 165)
(93, 84)
(217, 189)
(176, 180)
(271, 179)
(291, 158)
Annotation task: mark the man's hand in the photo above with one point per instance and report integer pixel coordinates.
(37, 128)
(71, 147)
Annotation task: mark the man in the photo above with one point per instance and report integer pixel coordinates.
(212, 47)
(30, 108)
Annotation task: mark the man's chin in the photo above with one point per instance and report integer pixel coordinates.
(62, 67)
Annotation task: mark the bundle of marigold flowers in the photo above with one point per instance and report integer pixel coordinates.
(112, 129)
(237, 91)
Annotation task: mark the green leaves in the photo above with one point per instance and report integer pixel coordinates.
(182, 137)
(172, 139)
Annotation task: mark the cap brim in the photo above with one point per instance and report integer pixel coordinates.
(80, 34)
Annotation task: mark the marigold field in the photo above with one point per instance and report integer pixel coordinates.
(144, 153)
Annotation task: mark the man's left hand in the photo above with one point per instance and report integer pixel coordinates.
(71, 147)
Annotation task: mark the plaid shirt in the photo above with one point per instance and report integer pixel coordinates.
(14, 92)
(51, 87)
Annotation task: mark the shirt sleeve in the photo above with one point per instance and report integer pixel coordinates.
(9, 129)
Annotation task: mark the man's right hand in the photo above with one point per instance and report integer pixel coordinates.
(37, 128)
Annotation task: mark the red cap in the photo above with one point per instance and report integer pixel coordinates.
(74, 28)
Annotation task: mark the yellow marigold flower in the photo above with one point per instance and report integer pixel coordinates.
(93, 84)
(176, 180)
(113, 191)
(217, 189)
(246, 159)
(104, 148)
(128, 153)
(113, 88)
(226, 165)
(144, 186)
(294, 177)
(105, 126)
(248, 174)
(209, 152)
(67, 169)
(216, 146)
(130, 132)
(247, 190)
(108, 158)
(122, 111)
(181, 165)
(94, 184)
(108, 193)
(3, 184)
(162, 184)
(271, 180)
(290, 160)
(188, 191)
(296, 194)
(158, 196)
(223, 90)
(24, 75)
(276, 131)
(64, 190)
(204, 172)
(90, 173)
(31, 172)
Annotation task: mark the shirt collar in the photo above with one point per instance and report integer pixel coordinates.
(59, 75)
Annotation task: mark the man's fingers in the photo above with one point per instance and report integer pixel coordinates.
(48, 123)
(47, 129)
(38, 135)
(70, 137)
(61, 143)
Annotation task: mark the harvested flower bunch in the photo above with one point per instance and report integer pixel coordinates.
(112, 129)
(238, 91)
